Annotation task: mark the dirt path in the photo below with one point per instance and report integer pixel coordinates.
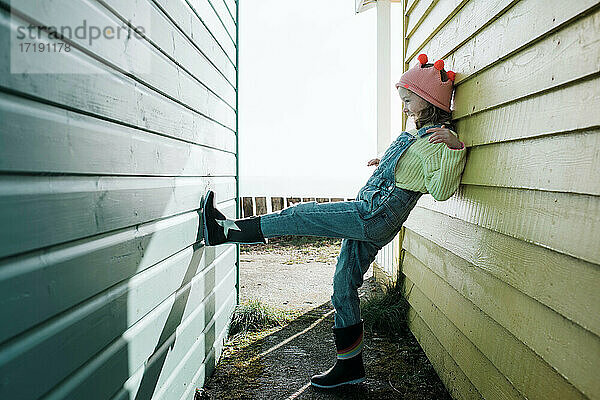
(278, 363)
(291, 275)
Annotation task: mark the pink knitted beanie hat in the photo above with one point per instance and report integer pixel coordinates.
(427, 82)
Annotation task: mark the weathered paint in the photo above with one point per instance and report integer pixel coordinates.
(504, 277)
(107, 287)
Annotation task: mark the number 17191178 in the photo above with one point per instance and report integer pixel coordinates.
(44, 47)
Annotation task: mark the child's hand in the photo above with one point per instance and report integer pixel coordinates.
(443, 135)
(374, 161)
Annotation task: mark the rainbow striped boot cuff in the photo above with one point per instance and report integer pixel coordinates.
(351, 351)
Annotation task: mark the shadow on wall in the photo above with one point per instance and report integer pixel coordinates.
(105, 290)
(92, 295)
(168, 335)
(190, 295)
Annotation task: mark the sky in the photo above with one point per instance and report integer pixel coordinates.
(307, 90)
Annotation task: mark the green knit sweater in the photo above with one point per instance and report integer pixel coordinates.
(431, 168)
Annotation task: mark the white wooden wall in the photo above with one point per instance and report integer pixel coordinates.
(504, 277)
(105, 289)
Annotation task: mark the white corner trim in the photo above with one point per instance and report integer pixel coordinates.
(384, 79)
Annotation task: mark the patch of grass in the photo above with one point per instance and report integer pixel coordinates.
(386, 311)
(255, 316)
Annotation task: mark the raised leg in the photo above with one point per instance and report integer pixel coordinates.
(337, 219)
(342, 219)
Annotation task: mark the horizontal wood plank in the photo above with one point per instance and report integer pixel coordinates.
(39, 138)
(566, 162)
(81, 269)
(181, 15)
(103, 169)
(441, 13)
(153, 346)
(99, 92)
(96, 323)
(456, 287)
(536, 68)
(177, 362)
(476, 367)
(176, 384)
(562, 109)
(164, 32)
(209, 93)
(454, 379)
(207, 16)
(174, 363)
(232, 7)
(409, 6)
(520, 26)
(518, 264)
(42, 211)
(527, 215)
(464, 24)
(224, 16)
(418, 14)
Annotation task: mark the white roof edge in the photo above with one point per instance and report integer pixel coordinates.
(363, 5)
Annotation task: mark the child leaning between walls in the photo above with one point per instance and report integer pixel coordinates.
(428, 159)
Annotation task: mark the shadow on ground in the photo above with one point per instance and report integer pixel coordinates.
(278, 364)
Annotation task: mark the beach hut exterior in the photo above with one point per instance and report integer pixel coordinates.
(107, 145)
(503, 278)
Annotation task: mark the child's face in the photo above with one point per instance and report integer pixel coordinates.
(412, 104)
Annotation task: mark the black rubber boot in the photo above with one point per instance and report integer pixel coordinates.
(349, 367)
(218, 229)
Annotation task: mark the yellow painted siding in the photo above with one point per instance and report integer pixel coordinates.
(504, 277)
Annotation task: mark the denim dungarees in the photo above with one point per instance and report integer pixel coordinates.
(366, 224)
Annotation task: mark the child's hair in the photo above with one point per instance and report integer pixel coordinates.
(433, 114)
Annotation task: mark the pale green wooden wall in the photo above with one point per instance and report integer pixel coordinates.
(504, 277)
(105, 288)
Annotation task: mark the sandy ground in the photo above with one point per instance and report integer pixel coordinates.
(278, 363)
(281, 280)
